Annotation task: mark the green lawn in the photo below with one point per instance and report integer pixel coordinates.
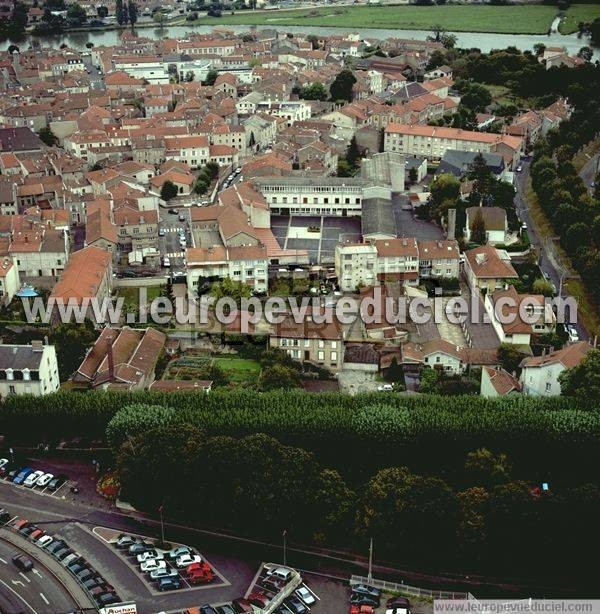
(239, 370)
(576, 13)
(131, 296)
(524, 19)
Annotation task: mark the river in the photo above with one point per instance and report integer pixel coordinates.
(465, 40)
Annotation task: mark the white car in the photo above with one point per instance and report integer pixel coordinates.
(166, 262)
(149, 555)
(44, 480)
(519, 169)
(187, 559)
(152, 565)
(385, 388)
(175, 553)
(305, 595)
(163, 572)
(572, 332)
(280, 572)
(43, 541)
(32, 478)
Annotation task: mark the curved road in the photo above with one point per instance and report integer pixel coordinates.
(35, 592)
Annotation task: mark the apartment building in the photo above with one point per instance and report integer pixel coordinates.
(319, 343)
(292, 112)
(193, 150)
(313, 195)
(432, 142)
(28, 369)
(247, 264)
(487, 268)
(136, 229)
(355, 265)
(9, 280)
(39, 251)
(439, 258)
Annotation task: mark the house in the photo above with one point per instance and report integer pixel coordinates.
(516, 317)
(459, 163)
(498, 382)
(539, 374)
(19, 140)
(495, 221)
(310, 341)
(9, 280)
(439, 72)
(28, 369)
(122, 358)
(487, 268)
(87, 276)
(439, 258)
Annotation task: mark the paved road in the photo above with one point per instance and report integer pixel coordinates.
(169, 243)
(590, 170)
(36, 591)
(548, 262)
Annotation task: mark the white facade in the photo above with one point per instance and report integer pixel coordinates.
(153, 72)
(9, 280)
(542, 380)
(28, 369)
(355, 265)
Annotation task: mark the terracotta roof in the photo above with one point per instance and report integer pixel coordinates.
(570, 356)
(438, 248)
(485, 263)
(397, 247)
(502, 381)
(307, 328)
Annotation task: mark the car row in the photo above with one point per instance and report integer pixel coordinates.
(169, 569)
(100, 590)
(231, 177)
(364, 599)
(31, 478)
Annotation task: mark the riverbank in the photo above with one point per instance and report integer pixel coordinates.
(522, 19)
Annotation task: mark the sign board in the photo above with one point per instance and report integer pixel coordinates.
(120, 608)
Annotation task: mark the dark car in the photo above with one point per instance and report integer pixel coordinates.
(241, 606)
(124, 541)
(225, 609)
(22, 562)
(365, 589)
(398, 602)
(173, 211)
(207, 609)
(77, 566)
(358, 599)
(23, 473)
(62, 553)
(295, 605)
(107, 598)
(138, 548)
(28, 529)
(56, 545)
(169, 584)
(4, 516)
(85, 574)
(10, 476)
(91, 583)
(57, 482)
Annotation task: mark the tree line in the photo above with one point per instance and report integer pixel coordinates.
(486, 521)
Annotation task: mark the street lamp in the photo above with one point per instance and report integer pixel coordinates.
(284, 548)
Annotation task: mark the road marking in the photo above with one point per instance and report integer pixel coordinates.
(3, 561)
(37, 573)
(24, 577)
(15, 582)
(12, 590)
(59, 489)
(44, 598)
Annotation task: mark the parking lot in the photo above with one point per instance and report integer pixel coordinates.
(408, 225)
(171, 226)
(40, 481)
(317, 234)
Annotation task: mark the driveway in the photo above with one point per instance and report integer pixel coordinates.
(407, 225)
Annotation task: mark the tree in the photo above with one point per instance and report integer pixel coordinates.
(538, 49)
(429, 381)
(413, 174)
(102, 12)
(132, 12)
(344, 169)
(47, 137)
(448, 40)
(278, 376)
(509, 357)
(595, 32)
(395, 372)
(586, 53)
(341, 88)
(211, 77)
(472, 533)
(481, 176)
(478, 233)
(168, 190)
(484, 468)
(232, 288)
(583, 380)
(121, 12)
(12, 49)
(476, 97)
(313, 39)
(313, 91)
(542, 286)
(76, 13)
(352, 153)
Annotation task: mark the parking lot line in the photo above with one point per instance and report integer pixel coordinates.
(59, 489)
(24, 577)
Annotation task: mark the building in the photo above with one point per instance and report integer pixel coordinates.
(439, 258)
(87, 276)
(459, 163)
(494, 220)
(432, 142)
(246, 264)
(9, 280)
(487, 268)
(315, 195)
(28, 369)
(309, 341)
(507, 308)
(122, 358)
(539, 374)
(498, 382)
(355, 265)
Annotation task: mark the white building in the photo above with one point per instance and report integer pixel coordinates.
(9, 280)
(292, 112)
(494, 220)
(153, 71)
(247, 264)
(497, 382)
(28, 369)
(539, 374)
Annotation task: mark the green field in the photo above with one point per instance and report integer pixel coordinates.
(131, 296)
(239, 370)
(577, 13)
(524, 19)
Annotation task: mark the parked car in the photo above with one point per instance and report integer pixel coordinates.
(63, 553)
(28, 529)
(225, 609)
(22, 562)
(10, 476)
(77, 566)
(365, 589)
(152, 565)
(305, 596)
(84, 574)
(360, 599)
(57, 482)
(572, 332)
(385, 388)
(3, 462)
(519, 169)
(36, 534)
(55, 546)
(258, 598)
(22, 475)
(179, 551)
(44, 480)
(173, 211)
(42, 542)
(161, 232)
(70, 558)
(187, 559)
(107, 599)
(4, 516)
(280, 572)
(137, 548)
(398, 602)
(181, 217)
(242, 606)
(295, 605)
(163, 572)
(207, 609)
(91, 583)
(169, 584)
(124, 541)
(150, 554)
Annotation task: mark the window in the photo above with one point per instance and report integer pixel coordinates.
(333, 356)
(321, 343)
(321, 355)
(334, 345)
(548, 387)
(11, 390)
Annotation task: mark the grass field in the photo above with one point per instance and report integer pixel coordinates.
(577, 13)
(131, 296)
(523, 19)
(239, 370)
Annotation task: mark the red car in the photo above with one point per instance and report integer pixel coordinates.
(258, 599)
(361, 609)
